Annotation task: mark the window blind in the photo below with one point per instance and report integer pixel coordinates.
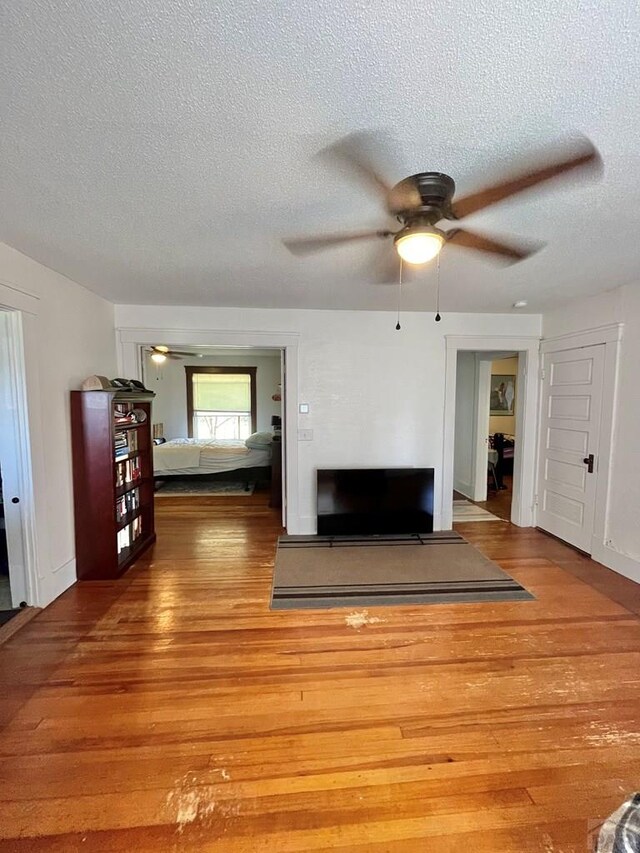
(221, 392)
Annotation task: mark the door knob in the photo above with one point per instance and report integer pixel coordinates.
(15, 500)
(588, 461)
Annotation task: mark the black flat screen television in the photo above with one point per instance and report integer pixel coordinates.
(375, 501)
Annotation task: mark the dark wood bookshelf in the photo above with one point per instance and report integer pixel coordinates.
(101, 552)
(129, 487)
(131, 455)
(128, 518)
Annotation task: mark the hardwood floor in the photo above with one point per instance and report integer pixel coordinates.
(497, 502)
(172, 711)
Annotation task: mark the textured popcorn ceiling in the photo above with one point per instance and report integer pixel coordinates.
(158, 151)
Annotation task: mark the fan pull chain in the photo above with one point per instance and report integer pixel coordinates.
(398, 326)
(438, 317)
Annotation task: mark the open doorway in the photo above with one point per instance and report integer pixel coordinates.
(485, 435)
(132, 342)
(217, 422)
(503, 434)
(467, 410)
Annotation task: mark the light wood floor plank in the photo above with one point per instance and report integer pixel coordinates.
(173, 711)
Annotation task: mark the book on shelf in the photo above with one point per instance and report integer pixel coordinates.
(124, 539)
(136, 528)
(127, 414)
(127, 503)
(125, 443)
(128, 471)
(129, 534)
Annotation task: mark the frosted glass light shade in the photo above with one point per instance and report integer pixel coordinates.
(418, 247)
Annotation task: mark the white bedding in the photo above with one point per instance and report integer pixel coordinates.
(206, 456)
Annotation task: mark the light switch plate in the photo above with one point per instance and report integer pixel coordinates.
(304, 408)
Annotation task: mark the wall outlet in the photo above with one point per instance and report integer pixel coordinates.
(305, 435)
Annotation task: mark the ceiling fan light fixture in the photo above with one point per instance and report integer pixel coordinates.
(158, 357)
(418, 244)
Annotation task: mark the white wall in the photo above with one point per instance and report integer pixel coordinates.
(70, 336)
(466, 398)
(168, 380)
(376, 395)
(622, 543)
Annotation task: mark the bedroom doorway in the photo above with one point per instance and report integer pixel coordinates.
(217, 422)
(132, 342)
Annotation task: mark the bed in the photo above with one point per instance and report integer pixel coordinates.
(182, 457)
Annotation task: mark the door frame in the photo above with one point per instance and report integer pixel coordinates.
(525, 457)
(482, 417)
(611, 336)
(15, 305)
(131, 341)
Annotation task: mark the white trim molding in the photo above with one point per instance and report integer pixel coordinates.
(616, 560)
(589, 337)
(13, 298)
(526, 421)
(130, 342)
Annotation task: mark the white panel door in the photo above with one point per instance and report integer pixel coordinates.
(569, 436)
(10, 467)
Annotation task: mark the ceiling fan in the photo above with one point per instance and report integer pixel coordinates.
(160, 354)
(420, 202)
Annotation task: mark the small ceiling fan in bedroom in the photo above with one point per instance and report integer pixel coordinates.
(159, 354)
(422, 201)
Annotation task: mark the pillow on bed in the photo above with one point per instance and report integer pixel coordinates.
(259, 440)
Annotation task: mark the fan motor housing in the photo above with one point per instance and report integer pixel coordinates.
(426, 195)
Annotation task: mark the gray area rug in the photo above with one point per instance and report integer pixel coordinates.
(170, 488)
(434, 568)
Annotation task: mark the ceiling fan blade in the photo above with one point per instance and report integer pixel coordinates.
(169, 353)
(180, 352)
(308, 245)
(509, 253)
(359, 152)
(584, 157)
(384, 267)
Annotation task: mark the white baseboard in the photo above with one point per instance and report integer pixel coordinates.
(465, 489)
(60, 579)
(304, 525)
(621, 563)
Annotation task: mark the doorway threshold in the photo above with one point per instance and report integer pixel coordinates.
(17, 619)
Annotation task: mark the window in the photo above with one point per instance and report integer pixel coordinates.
(221, 402)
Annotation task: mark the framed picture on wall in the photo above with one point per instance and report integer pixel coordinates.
(503, 394)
